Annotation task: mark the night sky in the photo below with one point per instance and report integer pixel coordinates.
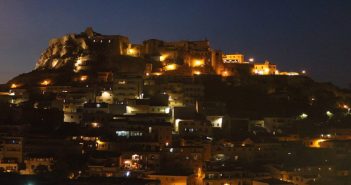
(314, 35)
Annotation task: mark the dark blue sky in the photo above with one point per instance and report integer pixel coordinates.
(295, 34)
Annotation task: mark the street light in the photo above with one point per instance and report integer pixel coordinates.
(329, 114)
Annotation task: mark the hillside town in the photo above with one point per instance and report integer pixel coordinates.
(100, 109)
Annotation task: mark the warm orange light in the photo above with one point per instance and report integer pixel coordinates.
(288, 73)
(121, 82)
(132, 51)
(99, 142)
(83, 78)
(170, 67)
(95, 125)
(157, 73)
(45, 82)
(199, 172)
(163, 57)
(13, 86)
(197, 63)
(105, 94)
(316, 143)
(79, 62)
(225, 73)
(54, 63)
(197, 72)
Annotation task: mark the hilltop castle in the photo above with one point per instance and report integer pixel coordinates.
(160, 57)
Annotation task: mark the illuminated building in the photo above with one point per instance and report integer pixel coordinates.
(216, 121)
(266, 68)
(198, 63)
(105, 97)
(72, 117)
(112, 44)
(158, 133)
(12, 148)
(190, 57)
(81, 64)
(144, 109)
(189, 53)
(232, 65)
(34, 163)
(233, 58)
(134, 50)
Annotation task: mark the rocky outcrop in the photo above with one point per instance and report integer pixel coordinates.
(62, 51)
(85, 53)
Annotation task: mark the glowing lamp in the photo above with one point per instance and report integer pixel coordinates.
(131, 51)
(225, 73)
(83, 78)
(197, 63)
(95, 125)
(163, 57)
(157, 74)
(197, 72)
(79, 62)
(105, 94)
(303, 116)
(13, 86)
(329, 114)
(170, 67)
(45, 82)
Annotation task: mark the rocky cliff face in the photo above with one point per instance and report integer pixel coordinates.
(89, 51)
(62, 51)
(85, 53)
